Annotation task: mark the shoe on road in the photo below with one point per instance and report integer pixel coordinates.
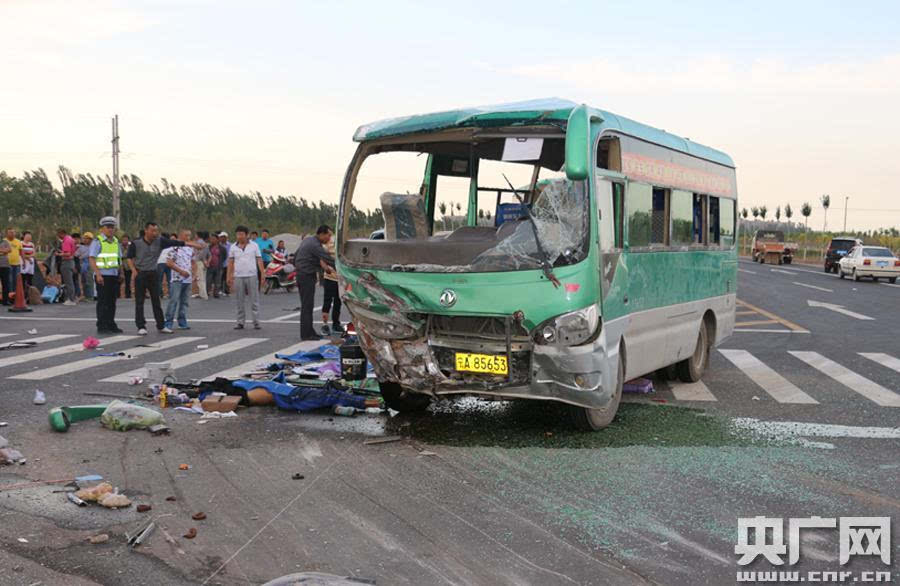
(142, 332)
(257, 327)
(239, 327)
(166, 331)
(325, 330)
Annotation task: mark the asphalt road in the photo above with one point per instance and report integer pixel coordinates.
(476, 492)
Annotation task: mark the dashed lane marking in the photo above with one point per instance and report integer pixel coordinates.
(783, 272)
(62, 369)
(814, 287)
(191, 358)
(778, 387)
(859, 384)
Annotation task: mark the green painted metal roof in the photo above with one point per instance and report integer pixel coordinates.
(529, 113)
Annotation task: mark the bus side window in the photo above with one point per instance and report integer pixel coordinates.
(659, 222)
(726, 222)
(713, 220)
(639, 208)
(698, 219)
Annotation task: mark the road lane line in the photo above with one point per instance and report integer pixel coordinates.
(691, 391)
(70, 349)
(778, 387)
(744, 313)
(756, 322)
(191, 358)
(50, 338)
(250, 365)
(859, 384)
(839, 309)
(102, 360)
(770, 315)
(814, 287)
(784, 272)
(295, 314)
(765, 331)
(889, 285)
(746, 271)
(883, 359)
(5, 335)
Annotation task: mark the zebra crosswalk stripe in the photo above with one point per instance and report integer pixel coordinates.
(32, 356)
(192, 358)
(250, 365)
(50, 338)
(883, 359)
(859, 384)
(778, 387)
(62, 369)
(691, 391)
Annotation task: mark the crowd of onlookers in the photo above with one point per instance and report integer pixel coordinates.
(84, 267)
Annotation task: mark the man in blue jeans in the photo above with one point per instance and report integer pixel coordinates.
(179, 260)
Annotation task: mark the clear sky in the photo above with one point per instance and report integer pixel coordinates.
(805, 96)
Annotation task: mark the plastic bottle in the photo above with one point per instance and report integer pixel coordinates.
(344, 411)
(39, 398)
(163, 396)
(373, 411)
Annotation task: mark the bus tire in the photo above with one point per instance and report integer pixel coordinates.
(691, 369)
(585, 419)
(396, 398)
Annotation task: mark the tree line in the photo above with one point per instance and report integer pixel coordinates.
(32, 202)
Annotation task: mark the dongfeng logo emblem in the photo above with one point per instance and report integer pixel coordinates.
(448, 298)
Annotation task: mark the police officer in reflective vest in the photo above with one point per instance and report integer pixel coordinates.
(106, 264)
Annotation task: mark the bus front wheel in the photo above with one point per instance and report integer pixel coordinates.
(585, 419)
(399, 400)
(691, 369)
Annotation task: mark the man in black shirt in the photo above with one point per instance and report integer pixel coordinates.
(142, 256)
(310, 258)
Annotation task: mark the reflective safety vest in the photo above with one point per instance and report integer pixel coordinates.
(109, 254)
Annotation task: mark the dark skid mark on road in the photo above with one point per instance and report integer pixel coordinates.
(521, 424)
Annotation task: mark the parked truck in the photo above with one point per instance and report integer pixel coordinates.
(769, 247)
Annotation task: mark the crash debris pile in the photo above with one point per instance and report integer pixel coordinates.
(9, 455)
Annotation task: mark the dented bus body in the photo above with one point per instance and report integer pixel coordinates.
(616, 260)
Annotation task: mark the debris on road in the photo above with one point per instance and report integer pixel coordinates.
(96, 539)
(11, 456)
(95, 492)
(22, 540)
(141, 536)
(62, 417)
(641, 386)
(39, 398)
(191, 533)
(184, 467)
(171, 499)
(121, 416)
(143, 508)
(383, 440)
(90, 343)
(72, 497)
(298, 476)
(198, 516)
(32, 331)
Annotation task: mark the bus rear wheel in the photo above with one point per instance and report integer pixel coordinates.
(396, 398)
(585, 419)
(691, 369)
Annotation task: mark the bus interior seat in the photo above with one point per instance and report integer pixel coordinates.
(404, 216)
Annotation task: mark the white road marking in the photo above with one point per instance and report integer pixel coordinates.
(838, 308)
(765, 331)
(5, 335)
(191, 358)
(778, 387)
(826, 430)
(250, 365)
(783, 271)
(70, 349)
(50, 338)
(883, 359)
(295, 314)
(746, 271)
(691, 391)
(859, 384)
(102, 360)
(890, 285)
(814, 287)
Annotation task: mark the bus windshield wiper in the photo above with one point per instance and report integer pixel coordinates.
(546, 266)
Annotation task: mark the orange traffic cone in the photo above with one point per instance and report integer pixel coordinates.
(20, 306)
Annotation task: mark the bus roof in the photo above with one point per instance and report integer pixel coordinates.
(532, 112)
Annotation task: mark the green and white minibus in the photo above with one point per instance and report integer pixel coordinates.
(587, 250)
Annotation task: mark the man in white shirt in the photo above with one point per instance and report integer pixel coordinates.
(179, 260)
(245, 275)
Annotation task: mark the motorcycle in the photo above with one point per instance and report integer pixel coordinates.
(280, 274)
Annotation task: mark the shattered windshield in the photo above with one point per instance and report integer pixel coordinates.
(451, 206)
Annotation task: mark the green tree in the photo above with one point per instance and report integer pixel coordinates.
(762, 212)
(755, 211)
(826, 203)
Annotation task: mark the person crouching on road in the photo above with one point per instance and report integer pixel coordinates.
(245, 275)
(106, 264)
(179, 262)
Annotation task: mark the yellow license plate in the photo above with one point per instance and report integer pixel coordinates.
(486, 363)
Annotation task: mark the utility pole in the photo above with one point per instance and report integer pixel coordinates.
(115, 161)
(846, 198)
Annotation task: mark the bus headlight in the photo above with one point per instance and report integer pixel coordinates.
(570, 329)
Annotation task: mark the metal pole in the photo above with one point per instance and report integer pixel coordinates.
(115, 158)
(846, 198)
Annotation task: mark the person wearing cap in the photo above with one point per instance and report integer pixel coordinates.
(106, 264)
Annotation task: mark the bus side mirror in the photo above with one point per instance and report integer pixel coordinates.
(578, 144)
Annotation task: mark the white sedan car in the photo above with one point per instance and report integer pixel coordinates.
(870, 261)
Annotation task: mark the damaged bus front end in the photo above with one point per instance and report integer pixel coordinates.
(501, 299)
